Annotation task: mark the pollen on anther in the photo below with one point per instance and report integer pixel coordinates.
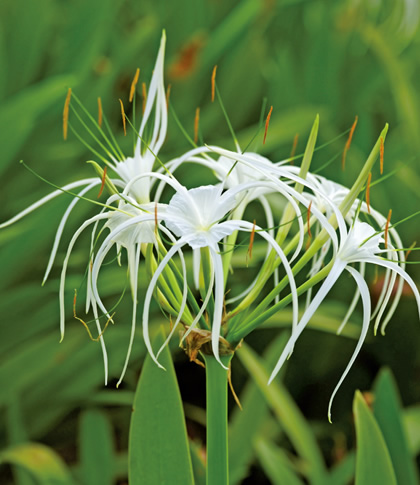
(387, 228)
(213, 83)
(368, 191)
(267, 122)
(251, 241)
(66, 114)
(308, 218)
(133, 85)
(348, 142)
(123, 117)
(102, 182)
(295, 142)
(144, 94)
(168, 93)
(381, 155)
(100, 113)
(196, 124)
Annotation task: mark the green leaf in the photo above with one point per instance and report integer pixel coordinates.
(343, 472)
(158, 444)
(96, 448)
(40, 461)
(288, 415)
(373, 463)
(27, 105)
(387, 411)
(275, 464)
(198, 464)
(412, 428)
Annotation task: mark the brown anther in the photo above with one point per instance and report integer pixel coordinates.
(144, 94)
(295, 142)
(387, 228)
(156, 218)
(66, 114)
(267, 122)
(168, 93)
(308, 218)
(251, 242)
(348, 142)
(187, 59)
(103, 182)
(213, 83)
(196, 124)
(381, 155)
(123, 117)
(99, 112)
(368, 191)
(133, 85)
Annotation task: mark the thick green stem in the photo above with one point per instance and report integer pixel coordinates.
(217, 428)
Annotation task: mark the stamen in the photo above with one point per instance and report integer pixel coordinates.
(168, 93)
(348, 142)
(267, 122)
(368, 191)
(123, 117)
(251, 242)
(213, 83)
(295, 142)
(103, 182)
(410, 249)
(387, 228)
(133, 85)
(144, 94)
(308, 217)
(94, 339)
(66, 114)
(100, 112)
(381, 155)
(196, 124)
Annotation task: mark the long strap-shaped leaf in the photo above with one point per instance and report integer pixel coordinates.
(158, 444)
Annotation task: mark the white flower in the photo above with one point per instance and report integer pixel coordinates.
(360, 245)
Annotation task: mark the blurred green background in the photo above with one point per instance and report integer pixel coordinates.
(335, 58)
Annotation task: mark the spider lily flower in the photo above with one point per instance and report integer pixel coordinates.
(361, 244)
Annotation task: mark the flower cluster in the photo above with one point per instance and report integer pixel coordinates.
(325, 229)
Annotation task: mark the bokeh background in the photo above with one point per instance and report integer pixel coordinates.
(336, 58)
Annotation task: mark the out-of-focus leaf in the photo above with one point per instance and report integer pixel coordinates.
(373, 463)
(19, 114)
(158, 444)
(288, 415)
(388, 414)
(198, 464)
(96, 448)
(276, 464)
(246, 423)
(412, 428)
(41, 461)
(343, 472)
